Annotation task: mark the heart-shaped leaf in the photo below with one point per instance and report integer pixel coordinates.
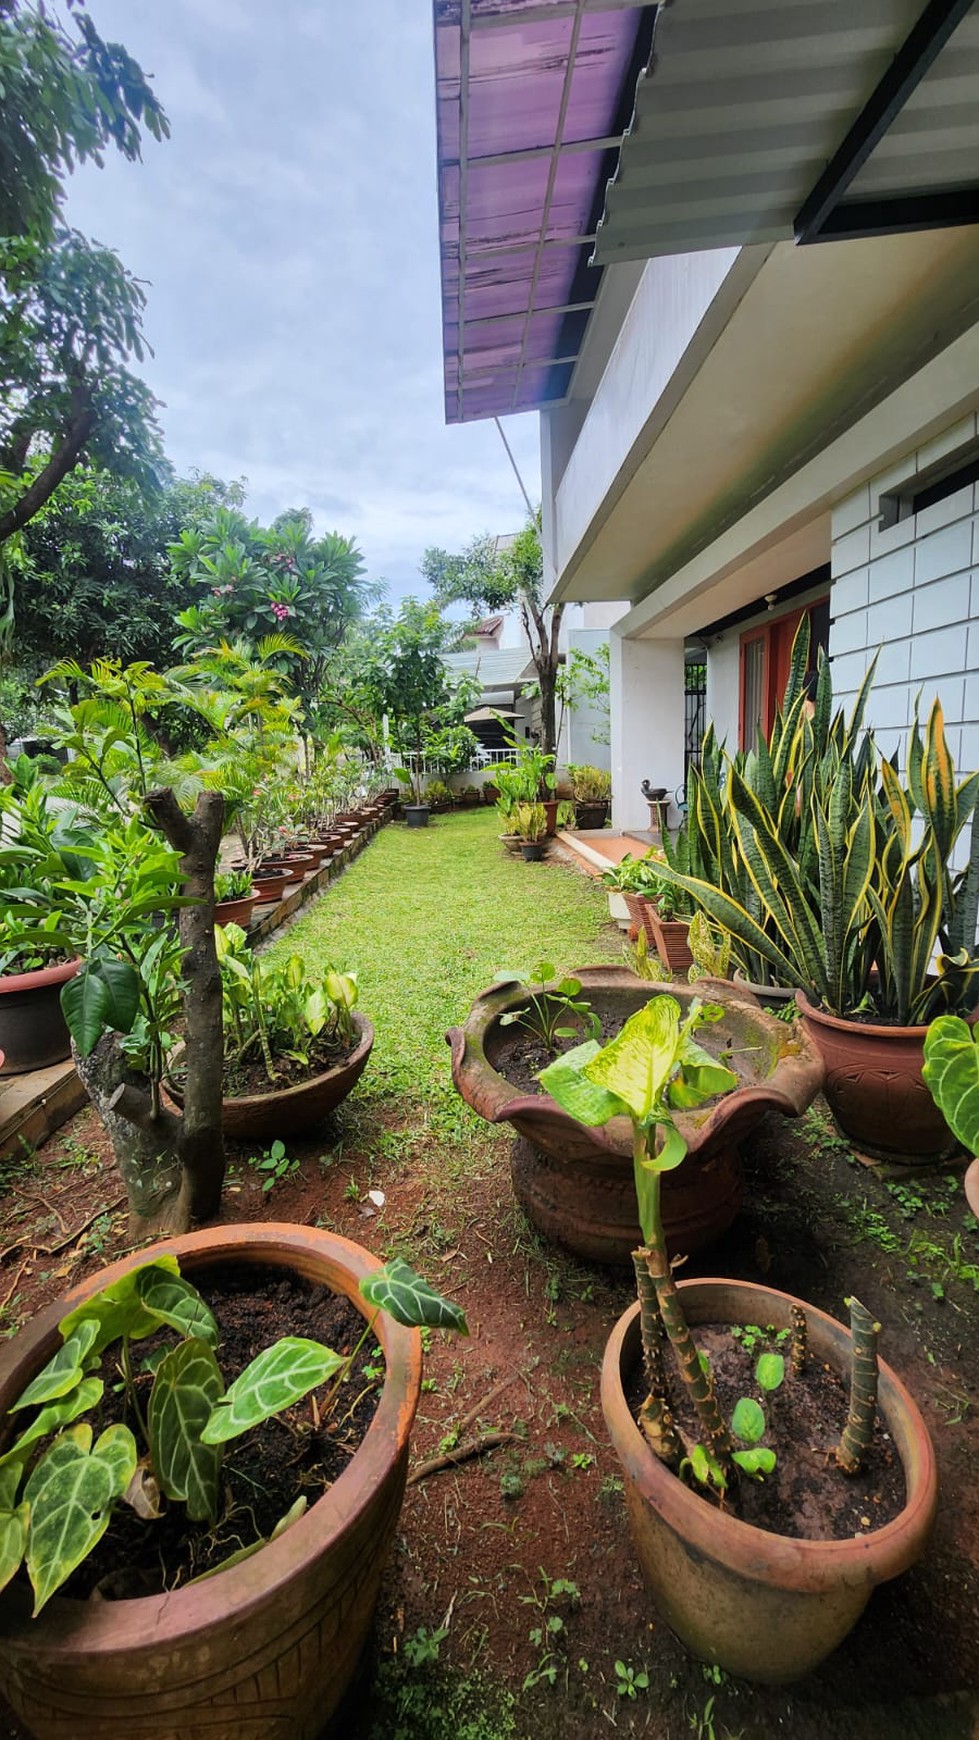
(59, 1413)
(748, 1421)
(951, 1070)
(175, 1302)
(276, 1378)
(187, 1385)
(13, 1540)
(755, 1462)
(119, 1310)
(71, 1493)
(769, 1371)
(63, 1372)
(410, 1300)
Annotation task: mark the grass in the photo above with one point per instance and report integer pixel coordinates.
(427, 918)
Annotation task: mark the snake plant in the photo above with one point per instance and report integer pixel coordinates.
(820, 862)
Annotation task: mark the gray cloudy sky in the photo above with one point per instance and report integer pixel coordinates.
(288, 231)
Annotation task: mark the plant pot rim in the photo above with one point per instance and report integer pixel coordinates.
(843, 1024)
(971, 1186)
(288, 1096)
(792, 1564)
(40, 977)
(82, 1628)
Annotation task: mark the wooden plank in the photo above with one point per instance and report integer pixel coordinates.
(34, 1105)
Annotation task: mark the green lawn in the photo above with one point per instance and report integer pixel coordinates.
(427, 918)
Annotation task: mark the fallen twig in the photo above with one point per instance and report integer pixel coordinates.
(11, 1290)
(76, 1233)
(462, 1453)
(497, 1390)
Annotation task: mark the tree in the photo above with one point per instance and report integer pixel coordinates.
(70, 313)
(488, 578)
(67, 96)
(96, 571)
(263, 580)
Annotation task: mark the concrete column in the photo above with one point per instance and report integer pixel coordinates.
(647, 723)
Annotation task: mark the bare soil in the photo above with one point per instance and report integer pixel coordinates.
(483, 1539)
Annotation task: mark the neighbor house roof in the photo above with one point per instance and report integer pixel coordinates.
(532, 99)
(495, 670)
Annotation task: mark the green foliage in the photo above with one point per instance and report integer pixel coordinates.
(530, 822)
(629, 1682)
(589, 784)
(554, 1001)
(71, 1487)
(951, 1071)
(397, 1289)
(277, 1009)
(829, 872)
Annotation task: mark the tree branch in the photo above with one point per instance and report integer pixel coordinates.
(46, 482)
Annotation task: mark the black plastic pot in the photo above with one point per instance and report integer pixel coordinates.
(416, 815)
(33, 1032)
(533, 851)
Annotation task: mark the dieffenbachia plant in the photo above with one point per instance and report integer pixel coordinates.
(654, 1067)
(59, 1484)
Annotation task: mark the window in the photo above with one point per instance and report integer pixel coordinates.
(766, 652)
(954, 472)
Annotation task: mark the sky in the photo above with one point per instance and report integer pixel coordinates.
(288, 234)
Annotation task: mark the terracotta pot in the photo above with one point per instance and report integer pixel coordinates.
(33, 1031)
(764, 1606)
(550, 808)
(971, 1186)
(668, 936)
(237, 911)
(280, 867)
(289, 1111)
(874, 1087)
(270, 885)
(576, 1184)
(317, 850)
(267, 1648)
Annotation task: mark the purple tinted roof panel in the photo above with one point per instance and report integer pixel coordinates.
(531, 99)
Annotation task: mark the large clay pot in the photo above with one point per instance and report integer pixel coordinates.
(266, 1649)
(270, 885)
(33, 1031)
(288, 1111)
(874, 1087)
(575, 1183)
(764, 1606)
(237, 911)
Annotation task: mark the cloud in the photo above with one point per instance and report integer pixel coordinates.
(289, 233)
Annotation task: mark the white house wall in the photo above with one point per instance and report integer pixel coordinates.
(913, 592)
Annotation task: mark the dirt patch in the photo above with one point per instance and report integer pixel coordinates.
(484, 1542)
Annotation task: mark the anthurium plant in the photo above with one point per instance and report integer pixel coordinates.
(59, 1483)
(951, 1071)
(653, 1067)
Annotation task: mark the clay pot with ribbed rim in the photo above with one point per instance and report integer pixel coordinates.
(576, 1183)
(874, 1087)
(766, 1607)
(33, 1030)
(267, 1648)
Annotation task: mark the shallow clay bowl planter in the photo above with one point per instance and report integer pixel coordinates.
(33, 1032)
(288, 1111)
(576, 1184)
(875, 1090)
(270, 885)
(238, 911)
(764, 1606)
(262, 1650)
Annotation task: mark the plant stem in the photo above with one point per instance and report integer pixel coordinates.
(655, 1416)
(858, 1431)
(799, 1346)
(130, 1383)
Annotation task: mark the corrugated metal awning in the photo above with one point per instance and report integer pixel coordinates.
(810, 118)
(532, 99)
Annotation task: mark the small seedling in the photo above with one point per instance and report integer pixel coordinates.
(275, 1166)
(629, 1682)
(424, 1645)
(550, 1015)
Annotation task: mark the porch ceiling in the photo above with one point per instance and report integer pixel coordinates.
(818, 119)
(532, 98)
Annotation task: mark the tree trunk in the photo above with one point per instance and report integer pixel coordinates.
(198, 838)
(148, 1153)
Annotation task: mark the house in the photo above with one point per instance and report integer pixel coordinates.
(730, 254)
